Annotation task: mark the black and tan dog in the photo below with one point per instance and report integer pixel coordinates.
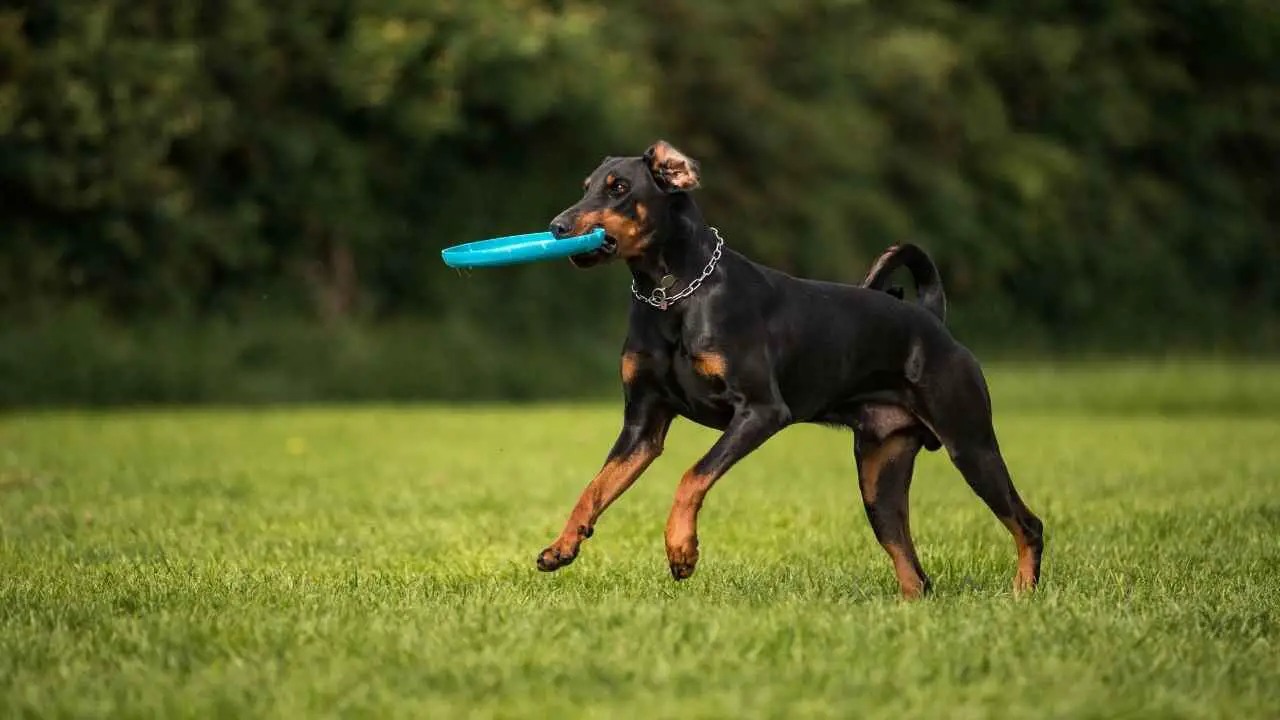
(748, 350)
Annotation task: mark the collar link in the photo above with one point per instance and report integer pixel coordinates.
(659, 298)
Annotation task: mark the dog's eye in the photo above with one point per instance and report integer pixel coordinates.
(617, 188)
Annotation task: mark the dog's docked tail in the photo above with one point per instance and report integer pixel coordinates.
(923, 271)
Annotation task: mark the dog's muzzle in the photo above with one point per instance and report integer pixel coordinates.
(591, 258)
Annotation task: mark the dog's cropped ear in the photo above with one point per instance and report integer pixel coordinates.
(672, 170)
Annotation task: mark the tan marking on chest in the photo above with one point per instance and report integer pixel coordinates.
(630, 366)
(709, 364)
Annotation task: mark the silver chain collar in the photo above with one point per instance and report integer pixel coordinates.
(659, 299)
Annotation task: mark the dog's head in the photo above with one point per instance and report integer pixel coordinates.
(627, 197)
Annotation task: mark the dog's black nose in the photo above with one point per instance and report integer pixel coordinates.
(560, 227)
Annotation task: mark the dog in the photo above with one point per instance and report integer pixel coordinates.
(748, 350)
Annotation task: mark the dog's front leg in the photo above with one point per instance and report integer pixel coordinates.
(750, 428)
(644, 430)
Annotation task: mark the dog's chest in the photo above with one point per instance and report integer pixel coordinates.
(694, 383)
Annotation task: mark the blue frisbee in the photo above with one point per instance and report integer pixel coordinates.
(516, 249)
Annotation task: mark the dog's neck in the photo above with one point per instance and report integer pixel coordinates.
(681, 249)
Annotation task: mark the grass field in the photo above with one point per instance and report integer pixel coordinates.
(378, 561)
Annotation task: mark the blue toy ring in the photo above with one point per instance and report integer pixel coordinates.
(516, 249)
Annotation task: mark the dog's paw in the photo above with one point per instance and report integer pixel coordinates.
(916, 588)
(683, 557)
(1024, 585)
(554, 558)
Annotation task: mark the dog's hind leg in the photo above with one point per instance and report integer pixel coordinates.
(884, 476)
(959, 410)
(984, 469)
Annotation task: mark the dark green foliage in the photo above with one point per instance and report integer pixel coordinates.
(1085, 173)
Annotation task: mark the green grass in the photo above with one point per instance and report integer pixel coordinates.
(378, 561)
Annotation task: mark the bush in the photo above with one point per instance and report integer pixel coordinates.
(1087, 175)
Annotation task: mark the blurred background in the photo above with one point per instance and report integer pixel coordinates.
(240, 201)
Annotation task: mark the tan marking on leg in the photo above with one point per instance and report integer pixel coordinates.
(1026, 578)
(682, 523)
(901, 551)
(910, 583)
(874, 463)
(630, 366)
(613, 479)
(709, 364)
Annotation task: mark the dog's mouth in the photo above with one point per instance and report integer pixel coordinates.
(591, 258)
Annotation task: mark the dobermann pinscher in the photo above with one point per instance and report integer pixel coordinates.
(749, 350)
